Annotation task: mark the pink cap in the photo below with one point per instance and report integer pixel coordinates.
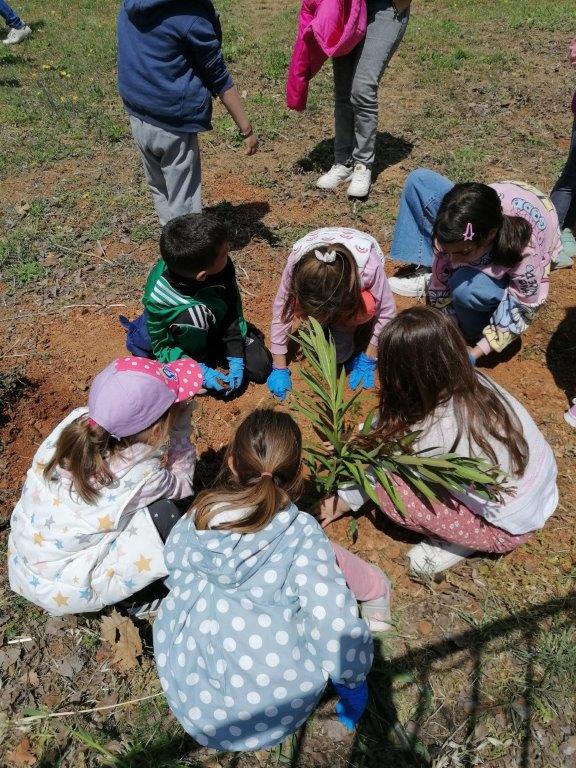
(131, 393)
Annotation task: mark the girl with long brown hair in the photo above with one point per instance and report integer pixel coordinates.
(335, 275)
(428, 385)
(88, 530)
(258, 601)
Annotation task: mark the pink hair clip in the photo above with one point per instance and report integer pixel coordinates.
(468, 232)
(91, 422)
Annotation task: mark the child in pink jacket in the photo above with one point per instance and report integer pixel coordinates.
(335, 275)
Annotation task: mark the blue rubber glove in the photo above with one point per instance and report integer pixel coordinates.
(471, 358)
(361, 369)
(213, 379)
(235, 372)
(351, 704)
(279, 382)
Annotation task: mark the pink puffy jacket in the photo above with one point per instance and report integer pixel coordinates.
(326, 28)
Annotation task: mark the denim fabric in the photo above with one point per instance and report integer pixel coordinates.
(356, 79)
(475, 296)
(10, 16)
(564, 193)
(421, 198)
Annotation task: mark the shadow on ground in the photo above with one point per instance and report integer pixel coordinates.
(389, 151)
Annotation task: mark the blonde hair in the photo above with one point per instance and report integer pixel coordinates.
(84, 449)
(261, 472)
(326, 292)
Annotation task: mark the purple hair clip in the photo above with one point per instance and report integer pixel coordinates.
(468, 232)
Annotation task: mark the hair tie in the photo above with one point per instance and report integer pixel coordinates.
(92, 423)
(328, 258)
(468, 232)
(265, 474)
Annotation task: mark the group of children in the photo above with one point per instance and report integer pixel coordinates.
(259, 609)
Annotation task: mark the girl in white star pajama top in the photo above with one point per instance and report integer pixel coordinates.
(259, 616)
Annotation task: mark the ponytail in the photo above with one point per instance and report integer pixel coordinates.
(510, 241)
(261, 473)
(479, 205)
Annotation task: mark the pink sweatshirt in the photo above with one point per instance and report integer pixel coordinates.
(370, 262)
(529, 280)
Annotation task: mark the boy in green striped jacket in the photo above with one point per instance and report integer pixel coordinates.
(193, 305)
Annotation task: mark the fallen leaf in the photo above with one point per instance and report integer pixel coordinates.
(22, 208)
(21, 754)
(425, 627)
(121, 633)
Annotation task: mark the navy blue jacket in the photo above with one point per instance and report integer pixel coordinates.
(170, 62)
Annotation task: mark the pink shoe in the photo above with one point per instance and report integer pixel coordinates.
(570, 415)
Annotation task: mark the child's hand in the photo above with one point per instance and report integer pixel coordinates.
(362, 371)
(330, 509)
(235, 373)
(279, 382)
(251, 143)
(213, 379)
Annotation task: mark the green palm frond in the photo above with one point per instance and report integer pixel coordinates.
(338, 460)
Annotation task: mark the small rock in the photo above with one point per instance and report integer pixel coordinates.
(425, 627)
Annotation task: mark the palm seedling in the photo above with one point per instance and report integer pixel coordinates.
(339, 459)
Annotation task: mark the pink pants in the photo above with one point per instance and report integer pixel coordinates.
(448, 520)
(365, 581)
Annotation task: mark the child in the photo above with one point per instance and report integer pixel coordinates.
(335, 275)
(564, 193)
(258, 617)
(427, 384)
(89, 528)
(193, 305)
(18, 29)
(490, 249)
(170, 66)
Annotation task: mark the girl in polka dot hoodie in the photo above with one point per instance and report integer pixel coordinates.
(88, 530)
(259, 617)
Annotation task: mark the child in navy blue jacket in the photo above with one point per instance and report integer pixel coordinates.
(170, 65)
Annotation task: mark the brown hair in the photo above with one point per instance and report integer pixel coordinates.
(423, 363)
(479, 205)
(323, 291)
(266, 458)
(84, 449)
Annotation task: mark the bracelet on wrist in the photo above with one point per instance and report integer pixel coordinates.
(246, 134)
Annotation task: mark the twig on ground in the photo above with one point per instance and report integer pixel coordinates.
(36, 718)
(78, 252)
(17, 640)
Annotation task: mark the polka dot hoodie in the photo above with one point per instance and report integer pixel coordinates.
(252, 629)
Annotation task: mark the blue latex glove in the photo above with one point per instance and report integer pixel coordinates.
(213, 379)
(235, 372)
(471, 358)
(351, 704)
(279, 382)
(361, 369)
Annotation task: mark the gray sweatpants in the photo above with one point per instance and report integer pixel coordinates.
(356, 79)
(171, 163)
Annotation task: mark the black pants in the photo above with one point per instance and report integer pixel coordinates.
(257, 356)
(165, 514)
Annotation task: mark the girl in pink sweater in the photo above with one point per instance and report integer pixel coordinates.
(335, 275)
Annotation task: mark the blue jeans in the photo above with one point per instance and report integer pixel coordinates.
(10, 16)
(475, 296)
(564, 193)
(421, 198)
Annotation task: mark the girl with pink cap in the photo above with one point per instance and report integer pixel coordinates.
(95, 510)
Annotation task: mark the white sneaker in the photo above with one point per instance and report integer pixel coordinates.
(17, 35)
(431, 557)
(337, 175)
(414, 284)
(361, 180)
